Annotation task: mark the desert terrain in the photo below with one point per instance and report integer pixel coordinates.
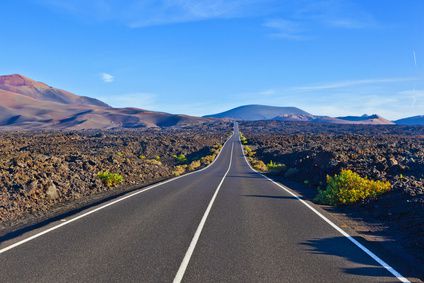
(309, 153)
(42, 171)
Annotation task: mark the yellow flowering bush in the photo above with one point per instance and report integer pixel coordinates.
(348, 187)
(179, 170)
(258, 164)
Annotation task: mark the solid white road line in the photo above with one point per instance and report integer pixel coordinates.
(109, 204)
(340, 230)
(180, 274)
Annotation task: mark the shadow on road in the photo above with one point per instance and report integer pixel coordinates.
(341, 247)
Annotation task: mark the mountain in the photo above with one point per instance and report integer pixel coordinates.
(27, 104)
(415, 120)
(257, 112)
(42, 92)
(293, 114)
(366, 119)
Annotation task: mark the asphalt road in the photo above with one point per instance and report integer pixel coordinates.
(223, 224)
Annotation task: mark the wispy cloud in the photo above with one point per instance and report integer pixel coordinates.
(299, 19)
(138, 13)
(287, 29)
(107, 78)
(351, 83)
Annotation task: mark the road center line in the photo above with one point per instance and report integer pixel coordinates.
(180, 274)
(399, 276)
(63, 223)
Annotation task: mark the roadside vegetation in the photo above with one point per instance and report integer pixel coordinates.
(186, 165)
(259, 165)
(43, 172)
(345, 188)
(110, 179)
(348, 187)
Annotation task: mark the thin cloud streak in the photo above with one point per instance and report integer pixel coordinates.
(138, 14)
(352, 83)
(415, 58)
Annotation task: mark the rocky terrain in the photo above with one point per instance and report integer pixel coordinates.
(41, 171)
(310, 152)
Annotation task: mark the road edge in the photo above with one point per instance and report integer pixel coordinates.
(91, 208)
(389, 268)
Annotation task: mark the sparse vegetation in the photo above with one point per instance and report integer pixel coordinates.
(348, 187)
(154, 161)
(110, 179)
(258, 164)
(248, 151)
(275, 167)
(179, 170)
(243, 139)
(180, 158)
(194, 165)
(72, 162)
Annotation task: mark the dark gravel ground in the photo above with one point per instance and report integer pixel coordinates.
(313, 151)
(43, 171)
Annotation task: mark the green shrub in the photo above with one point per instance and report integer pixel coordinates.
(348, 187)
(180, 158)
(110, 179)
(275, 167)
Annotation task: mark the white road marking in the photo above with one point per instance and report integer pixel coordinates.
(340, 230)
(109, 204)
(180, 274)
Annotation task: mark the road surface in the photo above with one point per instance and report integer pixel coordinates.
(225, 223)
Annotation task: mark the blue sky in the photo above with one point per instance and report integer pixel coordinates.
(328, 57)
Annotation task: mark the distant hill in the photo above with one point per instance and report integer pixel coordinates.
(258, 112)
(293, 114)
(415, 120)
(367, 119)
(27, 104)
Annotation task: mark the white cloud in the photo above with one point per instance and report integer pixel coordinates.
(107, 78)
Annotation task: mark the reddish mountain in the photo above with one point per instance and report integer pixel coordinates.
(27, 104)
(42, 92)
